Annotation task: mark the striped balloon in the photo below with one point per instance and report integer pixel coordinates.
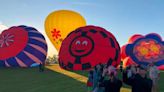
(22, 46)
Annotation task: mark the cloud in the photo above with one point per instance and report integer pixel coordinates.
(2, 27)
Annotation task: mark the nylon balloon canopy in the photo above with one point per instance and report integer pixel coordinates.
(144, 50)
(22, 46)
(88, 46)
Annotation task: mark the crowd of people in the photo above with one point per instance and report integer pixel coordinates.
(104, 78)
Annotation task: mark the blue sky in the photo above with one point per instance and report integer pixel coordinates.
(123, 18)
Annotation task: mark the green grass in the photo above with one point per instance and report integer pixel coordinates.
(31, 80)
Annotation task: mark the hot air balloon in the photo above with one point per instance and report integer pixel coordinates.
(88, 46)
(22, 46)
(59, 24)
(144, 50)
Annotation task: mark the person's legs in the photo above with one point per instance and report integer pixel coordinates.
(155, 85)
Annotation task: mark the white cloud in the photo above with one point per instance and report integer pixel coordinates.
(2, 27)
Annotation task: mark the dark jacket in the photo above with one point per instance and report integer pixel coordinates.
(138, 83)
(111, 86)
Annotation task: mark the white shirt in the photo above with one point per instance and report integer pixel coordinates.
(153, 72)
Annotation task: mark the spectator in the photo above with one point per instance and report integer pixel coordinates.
(90, 81)
(96, 77)
(41, 67)
(133, 69)
(121, 68)
(154, 76)
(139, 82)
(113, 84)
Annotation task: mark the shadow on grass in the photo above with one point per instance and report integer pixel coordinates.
(31, 80)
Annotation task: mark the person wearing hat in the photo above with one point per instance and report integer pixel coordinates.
(113, 84)
(139, 82)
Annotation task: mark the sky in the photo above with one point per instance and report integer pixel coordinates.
(123, 18)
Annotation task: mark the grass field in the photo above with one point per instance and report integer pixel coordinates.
(31, 80)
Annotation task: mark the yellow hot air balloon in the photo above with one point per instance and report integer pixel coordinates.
(59, 24)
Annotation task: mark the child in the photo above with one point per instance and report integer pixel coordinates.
(90, 81)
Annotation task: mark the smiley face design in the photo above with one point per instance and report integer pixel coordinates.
(81, 46)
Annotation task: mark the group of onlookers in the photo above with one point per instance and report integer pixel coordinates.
(104, 78)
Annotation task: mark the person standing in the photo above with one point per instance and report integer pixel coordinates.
(129, 71)
(90, 81)
(41, 67)
(133, 69)
(139, 82)
(113, 84)
(154, 76)
(121, 67)
(96, 77)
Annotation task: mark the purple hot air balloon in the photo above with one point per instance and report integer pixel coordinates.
(22, 46)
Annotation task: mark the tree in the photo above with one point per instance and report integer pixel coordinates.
(55, 59)
(52, 60)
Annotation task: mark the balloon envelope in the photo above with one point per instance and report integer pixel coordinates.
(22, 46)
(59, 24)
(146, 49)
(88, 46)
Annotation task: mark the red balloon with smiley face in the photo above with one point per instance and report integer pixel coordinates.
(88, 46)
